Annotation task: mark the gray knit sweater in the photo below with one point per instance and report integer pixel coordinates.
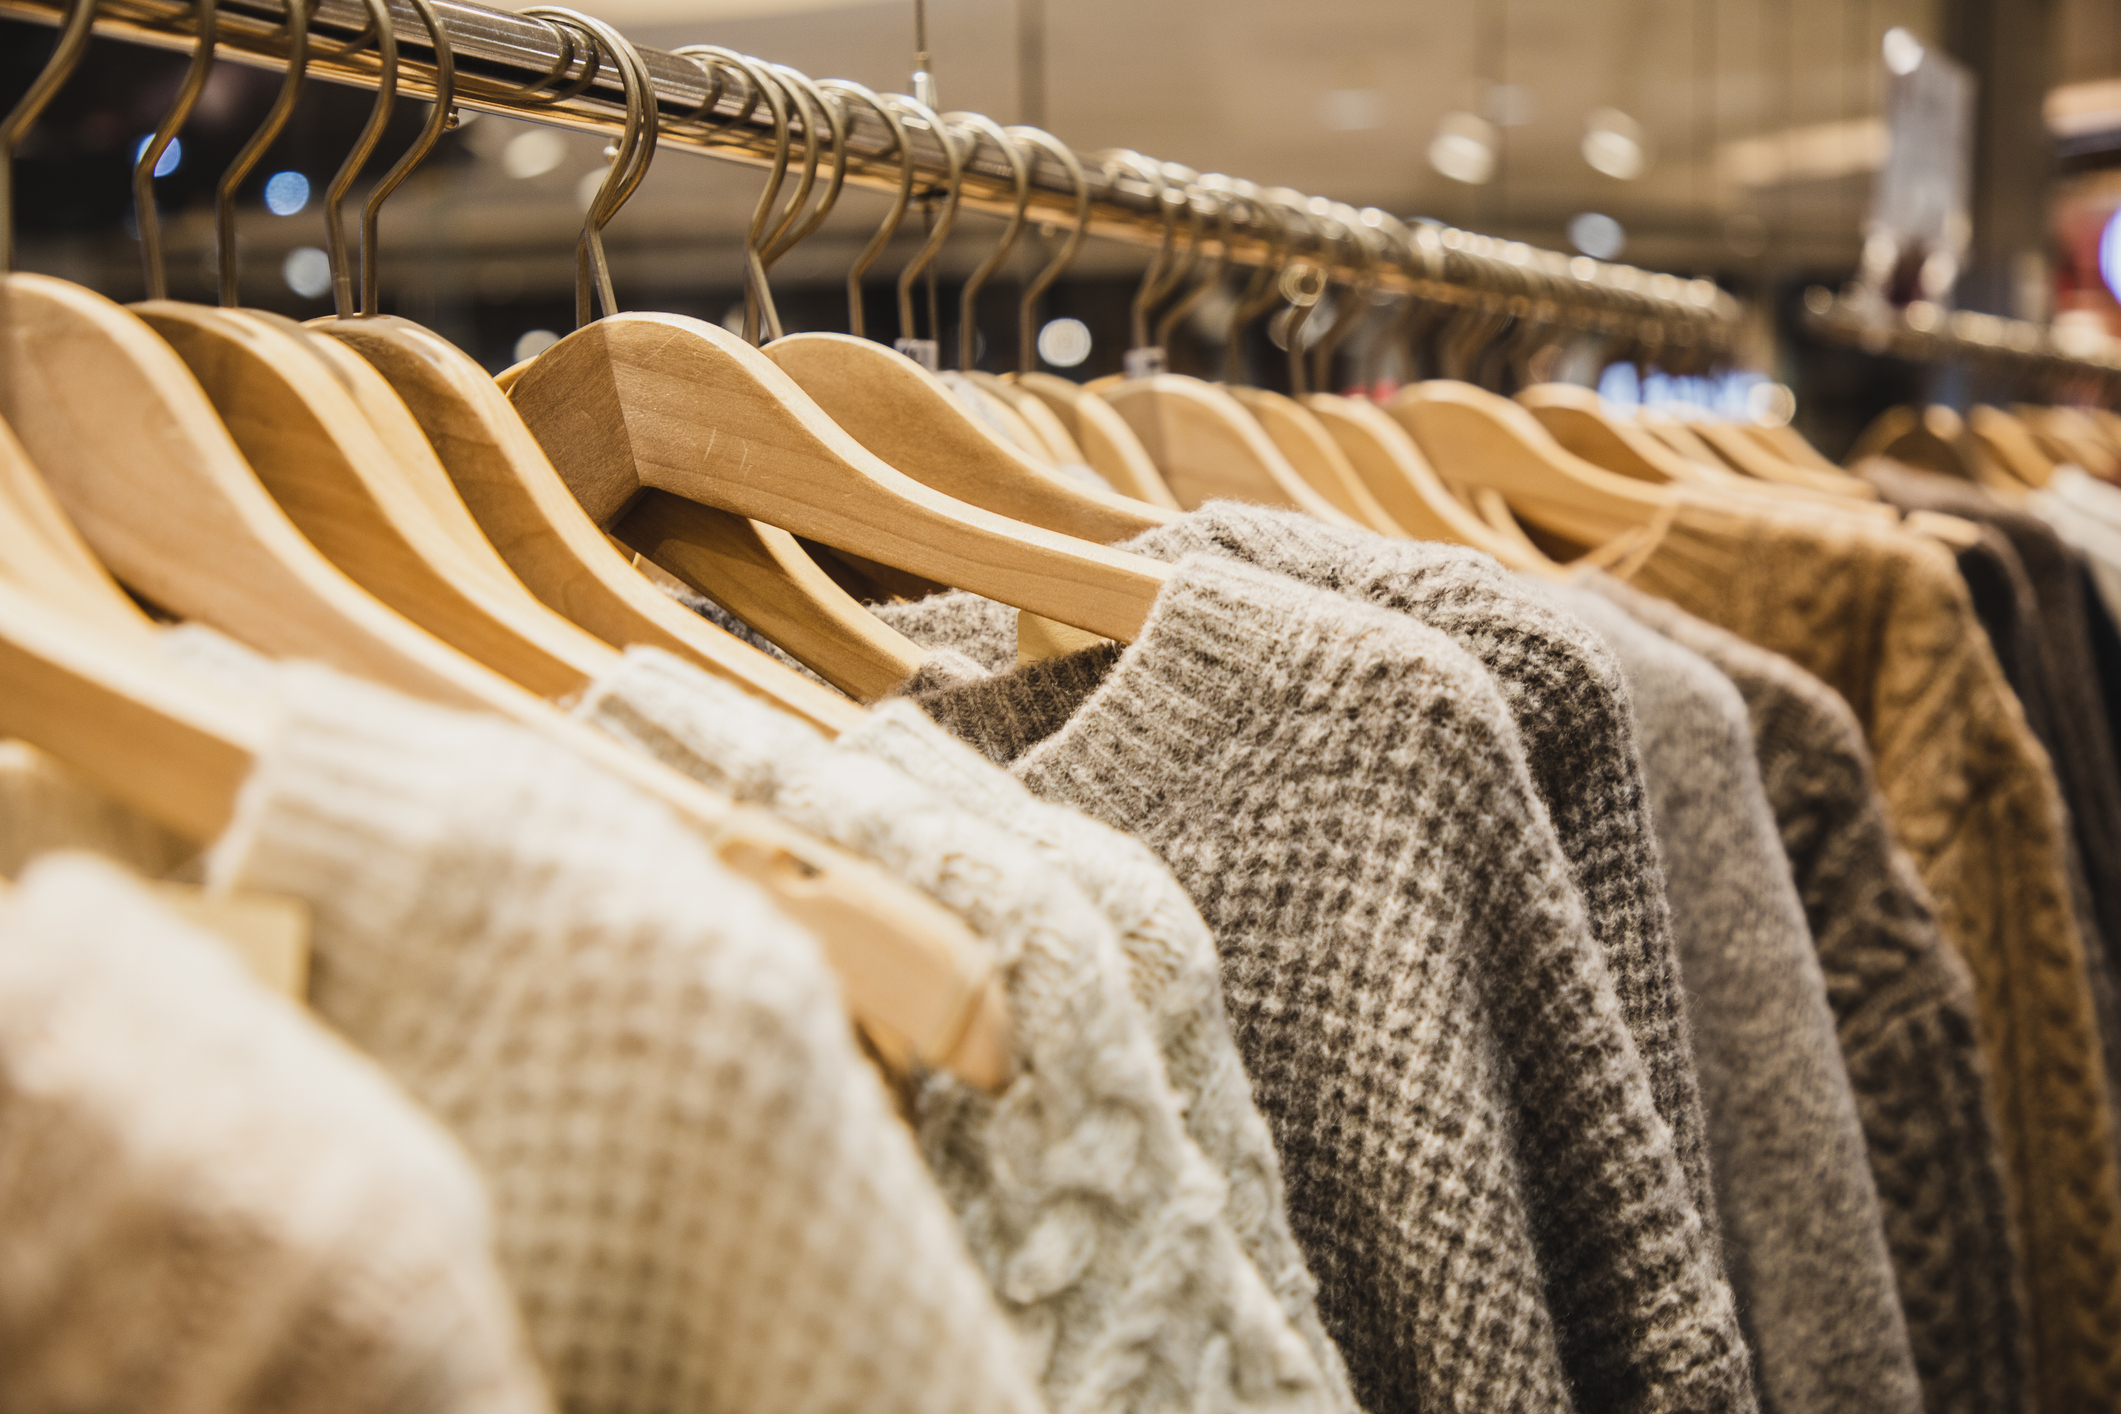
(1904, 1007)
(1098, 1220)
(1570, 705)
(1476, 1165)
(1805, 1242)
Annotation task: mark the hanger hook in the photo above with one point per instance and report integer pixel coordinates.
(1356, 306)
(1026, 308)
(811, 95)
(1262, 290)
(1303, 297)
(953, 182)
(65, 56)
(805, 102)
(592, 281)
(1148, 291)
(983, 126)
(845, 90)
(149, 219)
(1216, 187)
(759, 311)
(386, 32)
(239, 170)
(439, 119)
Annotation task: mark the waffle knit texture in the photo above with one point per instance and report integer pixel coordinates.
(213, 1204)
(2053, 644)
(1882, 617)
(1176, 978)
(1570, 704)
(1904, 1008)
(703, 1198)
(1805, 1243)
(1098, 1220)
(1476, 1166)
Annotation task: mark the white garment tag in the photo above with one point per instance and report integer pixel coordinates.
(269, 932)
(925, 352)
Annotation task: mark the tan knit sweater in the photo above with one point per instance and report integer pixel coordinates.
(208, 1203)
(1883, 618)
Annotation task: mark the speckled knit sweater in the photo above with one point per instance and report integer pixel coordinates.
(1806, 1244)
(1882, 618)
(1562, 687)
(703, 1199)
(212, 1203)
(1098, 1220)
(1904, 1007)
(1476, 1166)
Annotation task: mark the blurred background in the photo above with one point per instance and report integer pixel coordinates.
(1738, 140)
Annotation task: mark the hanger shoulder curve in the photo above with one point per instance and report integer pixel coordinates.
(738, 563)
(1042, 421)
(1576, 418)
(43, 555)
(675, 404)
(527, 513)
(1206, 446)
(906, 416)
(1317, 457)
(1108, 444)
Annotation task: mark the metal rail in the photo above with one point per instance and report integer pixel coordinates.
(497, 53)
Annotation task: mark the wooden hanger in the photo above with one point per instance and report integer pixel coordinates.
(1054, 440)
(2011, 444)
(1205, 445)
(2065, 434)
(1481, 439)
(1403, 482)
(1310, 448)
(1742, 453)
(42, 554)
(1108, 444)
(1578, 419)
(1791, 445)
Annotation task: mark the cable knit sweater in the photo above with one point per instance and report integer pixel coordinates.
(1476, 1166)
(703, 1198)
(1098, 1220)
(1882, 617)
(210, 1202)
(1806, 1244)
(1570, 705)
(1176, 978)
(1904, 1006)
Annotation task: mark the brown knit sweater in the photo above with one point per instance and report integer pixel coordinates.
(1882, 617)
(1903, 1007)
(1476, 1166)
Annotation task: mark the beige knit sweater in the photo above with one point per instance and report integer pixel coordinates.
(1100, 1222)
(703, 1198)
(1882, 617)
(1476, 1165)
(210, 1204)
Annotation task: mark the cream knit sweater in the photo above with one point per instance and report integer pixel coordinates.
(703, 1199)
(1904, 1007)
(1882, 618)
(1476, 1165)
(211, 1205)
(1099, 1220)
(1806, 1242)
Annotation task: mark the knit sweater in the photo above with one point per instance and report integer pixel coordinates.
(2086, 512)
(1176, 977)
(1570, 705)
(703, 1198)
(1904, 1008)
(1882, 618)
(1097, 1218)
(1476, 1166)
(210, 1202)
(1805, 1241)
(44, 806)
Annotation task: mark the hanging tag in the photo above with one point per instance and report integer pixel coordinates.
(269, 932)
(925, 352)
(1146, 362)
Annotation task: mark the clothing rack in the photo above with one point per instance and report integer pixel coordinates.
(501, 57)
(1926, 333)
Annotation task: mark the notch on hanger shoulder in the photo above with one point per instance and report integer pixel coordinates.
(664, 402)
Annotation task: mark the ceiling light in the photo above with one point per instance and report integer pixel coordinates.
(286, 193)
(1597, 234)
(307, 272)
(171, 155)
(1613, 144)
(1903, 52)
(1064, 343)
(533, 153)
(1464, 148)
(1351, 110)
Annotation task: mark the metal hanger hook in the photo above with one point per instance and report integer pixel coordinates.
(1261, 291)
(1150, 289)
(759, 312)
(953, 182)
(386, 35)
(1219, 189)
(1027, 307)
(283, 108)
(983, 126)
(592, 286)
(847, 90)
(811, 96)
(439, 119)
(144, 213)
